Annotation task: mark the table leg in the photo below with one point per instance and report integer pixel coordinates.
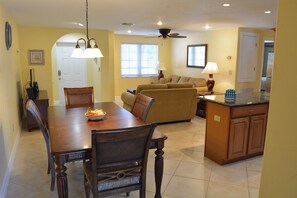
(159, 164)
(62, 184)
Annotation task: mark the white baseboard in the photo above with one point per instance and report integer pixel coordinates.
(5, 183)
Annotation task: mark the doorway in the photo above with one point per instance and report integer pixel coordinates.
(268, 62)
(71, 71)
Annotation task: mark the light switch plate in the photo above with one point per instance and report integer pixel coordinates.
(217, 118)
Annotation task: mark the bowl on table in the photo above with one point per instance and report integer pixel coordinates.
(97, 114)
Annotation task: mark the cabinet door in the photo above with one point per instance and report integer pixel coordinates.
(257, 134)
(238, 138)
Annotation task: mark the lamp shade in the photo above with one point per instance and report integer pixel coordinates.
(77, 53)
(211, 68)
(161, 66)
(92, 53)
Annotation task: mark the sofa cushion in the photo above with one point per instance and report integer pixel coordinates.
(165, 80)
(198, 82)
(179, 85)
(150, 86)
(175, 78)
(183, 79)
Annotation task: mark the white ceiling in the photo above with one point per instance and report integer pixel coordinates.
(183, 16)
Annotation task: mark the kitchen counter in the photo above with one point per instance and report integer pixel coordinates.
(241, 99)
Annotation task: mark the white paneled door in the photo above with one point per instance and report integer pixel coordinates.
(71, 71)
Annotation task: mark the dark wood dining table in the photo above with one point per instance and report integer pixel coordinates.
(70, 138)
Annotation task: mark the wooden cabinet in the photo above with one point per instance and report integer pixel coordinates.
(239, 129)
(42, 103)
(234, 133)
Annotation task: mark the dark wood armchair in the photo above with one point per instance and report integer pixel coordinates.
(142, 106)
(119, 160)
(80, 96)
(32, 108)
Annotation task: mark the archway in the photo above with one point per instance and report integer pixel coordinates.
(92, 68)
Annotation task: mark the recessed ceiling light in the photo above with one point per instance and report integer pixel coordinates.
(267, 12)
(127, 24)
(160, 23)
(129, 31)
(207, 27)
(226, 4)
(80, 24)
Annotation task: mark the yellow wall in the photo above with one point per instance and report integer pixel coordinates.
(121, 84)
(221, 44)
(10, 97)
(45, 38)
(279, 175)
(263, 35)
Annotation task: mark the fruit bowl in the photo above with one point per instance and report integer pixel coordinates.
(97, 114)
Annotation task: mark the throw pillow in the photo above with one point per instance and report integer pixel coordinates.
(198, 82)
(175, 78)
(183, 79)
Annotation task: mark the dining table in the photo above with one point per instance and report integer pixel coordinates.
(70, 138)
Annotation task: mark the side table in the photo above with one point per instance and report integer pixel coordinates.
(201, 105)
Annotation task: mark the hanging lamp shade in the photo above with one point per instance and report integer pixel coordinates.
(90, 51)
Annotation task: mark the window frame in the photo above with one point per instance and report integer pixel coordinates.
(139, 60)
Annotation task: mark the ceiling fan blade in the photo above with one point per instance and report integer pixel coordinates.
(174, 34)
(177, 36)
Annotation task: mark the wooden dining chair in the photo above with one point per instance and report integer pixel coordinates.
(142, 106)
(119, 161)
(32, 108)
(79, 96)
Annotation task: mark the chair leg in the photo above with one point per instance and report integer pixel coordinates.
(87, 188)
(142, 193)
(53, 173)
(127, 194)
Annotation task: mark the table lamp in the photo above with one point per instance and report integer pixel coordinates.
(160, 67)
(210, 68)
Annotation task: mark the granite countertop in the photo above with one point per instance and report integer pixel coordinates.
(241, 99)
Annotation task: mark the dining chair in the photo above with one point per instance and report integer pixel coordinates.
(142, 106)
(32, 108)
(79, 96)
(119, 161)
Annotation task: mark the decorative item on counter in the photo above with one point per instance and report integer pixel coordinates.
(230, 95)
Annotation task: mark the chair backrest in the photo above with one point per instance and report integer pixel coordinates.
(80, 96)
(142, 106)
(33, 109)
(121, 154)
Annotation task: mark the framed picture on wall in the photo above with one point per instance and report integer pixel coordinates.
(36, 57)
(197, 55)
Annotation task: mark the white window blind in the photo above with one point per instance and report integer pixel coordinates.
(139, 60)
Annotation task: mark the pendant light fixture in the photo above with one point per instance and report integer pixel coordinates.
(89, 52)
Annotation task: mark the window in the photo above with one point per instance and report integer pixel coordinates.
(139, 60)
(197, 55)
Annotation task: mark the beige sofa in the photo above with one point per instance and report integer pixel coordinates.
(198, 83)
(173, 102)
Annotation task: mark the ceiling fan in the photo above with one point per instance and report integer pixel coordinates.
(166, 33)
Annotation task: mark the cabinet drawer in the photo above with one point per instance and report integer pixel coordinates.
(248, 110)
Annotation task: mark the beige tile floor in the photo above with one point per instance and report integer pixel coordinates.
(187, 173)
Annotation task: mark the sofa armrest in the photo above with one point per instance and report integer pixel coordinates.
(202, 89)
(128, 100)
